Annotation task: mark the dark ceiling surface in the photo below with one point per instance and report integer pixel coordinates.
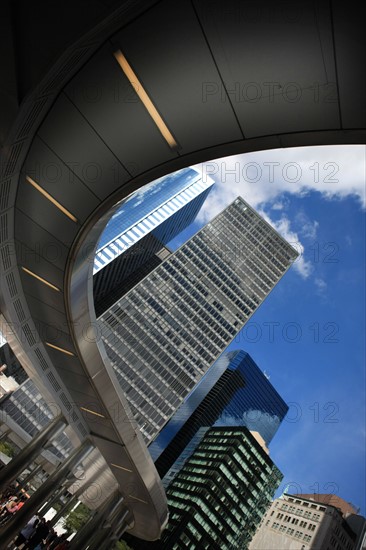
(33, 35)
(227, 77)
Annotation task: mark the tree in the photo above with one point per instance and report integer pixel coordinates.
(7, 449)
(77, 518)
(57, 506)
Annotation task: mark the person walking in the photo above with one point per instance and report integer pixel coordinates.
(26, 532)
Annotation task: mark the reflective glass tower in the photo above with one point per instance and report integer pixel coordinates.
(234, 392)
(219, 495)
(153, 209)
(26, 412)
(165, 333)
(132, 243)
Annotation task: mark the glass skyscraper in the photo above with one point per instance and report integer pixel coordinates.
(165, 333)
(234, 392)
(133, 242)
(213, 458)
(26, 410)
(218, 497)
(153, 209)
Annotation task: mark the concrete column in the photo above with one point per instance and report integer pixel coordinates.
(55, 497)
(5, 433)
(73, 499)
(112, 512)
(26, 480)
(87, 533)
(122, 524)
(30, 451)
(105, 538)
(64, 509)
(31, 507)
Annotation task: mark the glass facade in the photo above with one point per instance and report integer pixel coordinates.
(163, 208)
(30, 412)
(234, 392)
(165, 333)
(126, 271)
(219, 496)
(135, 238)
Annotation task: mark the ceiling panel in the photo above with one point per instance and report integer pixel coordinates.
(175, 66)
(350, 51)
(105, 97)
(282, 116)
(73, 139)
(57, 321)
(45, 214)
(47, 246)
(42, 292)
(117, 455)
(53, 331)
(81, 384)
(59, 181)
(272, 63)
(33, 260)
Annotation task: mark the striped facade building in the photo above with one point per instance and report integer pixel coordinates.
(164, 334)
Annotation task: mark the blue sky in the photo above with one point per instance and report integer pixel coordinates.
(309, 334)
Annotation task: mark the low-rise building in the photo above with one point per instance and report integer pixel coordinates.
(302, 522)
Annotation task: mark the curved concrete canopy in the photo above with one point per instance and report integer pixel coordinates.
(227, 77)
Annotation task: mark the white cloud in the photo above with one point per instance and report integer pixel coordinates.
(308, 227)
(321, 285)
(302, 266)
(262, 179)
(278, 206)
(334, 171)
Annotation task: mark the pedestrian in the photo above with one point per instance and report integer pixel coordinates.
(51, 537)
(64, 543)
(40, 533)
(26, 532)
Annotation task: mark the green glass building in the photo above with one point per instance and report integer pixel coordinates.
(219, 495)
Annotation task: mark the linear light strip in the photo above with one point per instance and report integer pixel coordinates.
(59, 349)
(138, 499)
(40, 279)
(121, 468)
(92, 412)
(51, 199)
(136, 84)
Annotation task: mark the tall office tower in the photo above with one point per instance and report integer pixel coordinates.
(218, 496)
(132, 243)
(234, 392)
(302, 522)
(126, 271)
(165, 333)
(26, 412)
(23, 413)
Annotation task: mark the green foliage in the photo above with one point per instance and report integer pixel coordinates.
(7, 449)
(77, 518)
(57, 506)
